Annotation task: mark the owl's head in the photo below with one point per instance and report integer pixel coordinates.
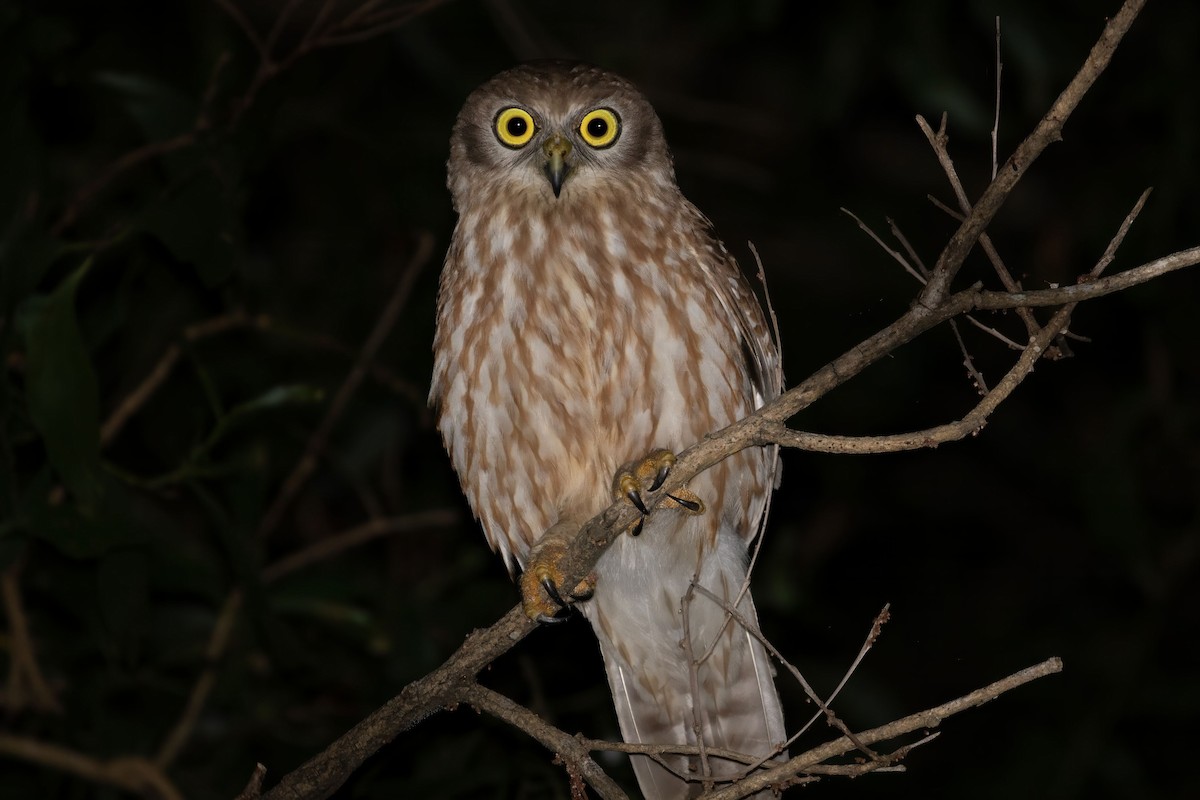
(556, 129)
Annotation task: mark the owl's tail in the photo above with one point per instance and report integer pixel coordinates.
(725, 689)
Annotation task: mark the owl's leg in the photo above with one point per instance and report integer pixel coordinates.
(647, 475)
(542, 579)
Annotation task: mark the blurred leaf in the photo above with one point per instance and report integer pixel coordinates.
(81, 535)
(199, 465)
(25, 255)
(160, 110)
(197, 225)
(60, 388)
(274, 398)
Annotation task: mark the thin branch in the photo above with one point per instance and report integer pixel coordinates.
(268, 69)
(221, 634)
(130, 774)
(254, 785)
(218, 642)
(876, 627)
(372, 25)
(938, 141)
(922, 720)
(84, 197)
(1048, 130)
(235, 13)
(356, 536)
(900, 259)
(832, 718)
(24, 671)
(996, 122)
(135, 400)
(316, 443)
(574, 752)
(695, 698)
(1077, 293)
(235, 320)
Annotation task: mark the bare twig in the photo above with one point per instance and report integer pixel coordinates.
(695, 697)
(226, 619)
(1048, 130)
(923, 720)
(84, 197)
(938, 141)
(321, 35)
(25, 676)
(831, 717)
(361, 534)
(996, 121)
(130, 774)
(218, 641)
(316, 443)
(254, 785)
(900, 259)
(135, 400)
(568, 748)
(235, 320)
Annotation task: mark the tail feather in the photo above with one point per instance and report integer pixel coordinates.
(738, 707)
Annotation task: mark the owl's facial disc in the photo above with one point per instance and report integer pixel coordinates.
(557, 149)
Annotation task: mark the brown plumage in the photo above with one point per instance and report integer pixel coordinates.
(587, 314)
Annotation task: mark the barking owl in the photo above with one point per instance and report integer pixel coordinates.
(587, 316)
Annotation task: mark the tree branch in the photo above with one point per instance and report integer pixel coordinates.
(922, 720)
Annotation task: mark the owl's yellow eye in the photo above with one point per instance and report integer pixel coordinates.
(600, 127)
(514, 127)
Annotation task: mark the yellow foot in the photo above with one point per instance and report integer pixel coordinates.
(542, 595)
(647, 475)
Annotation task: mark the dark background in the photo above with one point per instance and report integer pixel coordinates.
(1068, 527)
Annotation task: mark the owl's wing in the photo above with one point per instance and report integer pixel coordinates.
(741, 304)
(764, 364)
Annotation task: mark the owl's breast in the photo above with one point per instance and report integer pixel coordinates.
(567, 345)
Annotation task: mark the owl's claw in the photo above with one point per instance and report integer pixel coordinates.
(664, 469)
(632, 496)
(543, 594)
(692, 506)
(648, 475)
(549, 588)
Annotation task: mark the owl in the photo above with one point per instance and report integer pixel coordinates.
(589, 325)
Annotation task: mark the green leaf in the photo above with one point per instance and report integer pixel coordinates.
(160, 110)
(275, 397)
(60, 388)
(81, 532)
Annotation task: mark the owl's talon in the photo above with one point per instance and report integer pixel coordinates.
(664, 469)
(545, 596)
(585, 589)
(693, 506)
(550, 589)
(647, 475)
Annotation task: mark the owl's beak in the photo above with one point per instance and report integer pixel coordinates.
(557, 148)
